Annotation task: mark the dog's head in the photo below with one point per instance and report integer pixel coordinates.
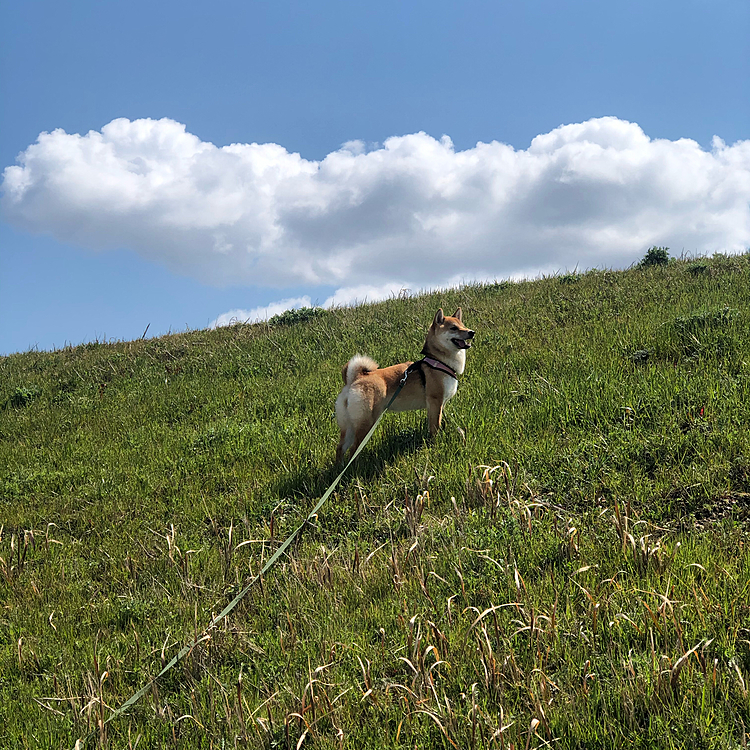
(450, 330)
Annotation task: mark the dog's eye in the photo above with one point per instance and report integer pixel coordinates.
(454, 328)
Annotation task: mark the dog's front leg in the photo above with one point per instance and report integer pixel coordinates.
(434, 413)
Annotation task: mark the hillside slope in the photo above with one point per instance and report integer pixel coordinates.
(568, 561)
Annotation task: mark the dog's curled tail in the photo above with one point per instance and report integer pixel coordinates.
(358, 365)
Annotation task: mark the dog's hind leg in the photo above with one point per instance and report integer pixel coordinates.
(340, 448)
(345, 442)
(345, 425)
(361, 433)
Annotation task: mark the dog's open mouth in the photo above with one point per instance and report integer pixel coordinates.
(462, 343)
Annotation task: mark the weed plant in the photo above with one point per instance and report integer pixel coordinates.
(655, 256)
(567, 564)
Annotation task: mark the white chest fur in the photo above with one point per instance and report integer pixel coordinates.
(450, 386)
(460, 363)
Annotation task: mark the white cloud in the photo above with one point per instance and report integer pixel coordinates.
(260, 313)
(340, 298)
(413, 209)
(353, 295)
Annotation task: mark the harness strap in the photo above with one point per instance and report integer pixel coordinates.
(413, 367)
(433, 363)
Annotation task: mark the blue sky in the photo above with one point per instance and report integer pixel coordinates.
(87, 253)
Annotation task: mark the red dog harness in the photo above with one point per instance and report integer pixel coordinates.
(435, 364)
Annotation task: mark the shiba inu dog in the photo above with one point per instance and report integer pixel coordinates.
(429, 383)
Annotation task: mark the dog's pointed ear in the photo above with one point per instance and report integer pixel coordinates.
(439, 318)
(457, 315)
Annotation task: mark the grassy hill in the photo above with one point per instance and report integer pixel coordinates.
(567, 564)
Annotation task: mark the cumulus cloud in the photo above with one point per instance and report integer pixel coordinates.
(352, 295)
(340, 298)
(258, 314)
(372, 219)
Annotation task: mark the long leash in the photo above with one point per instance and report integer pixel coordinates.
(185, 650)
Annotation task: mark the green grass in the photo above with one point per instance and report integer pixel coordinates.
(566, 564)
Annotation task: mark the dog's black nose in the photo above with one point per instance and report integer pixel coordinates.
(470, 335)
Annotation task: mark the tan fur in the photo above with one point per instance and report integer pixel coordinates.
(368, 388)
